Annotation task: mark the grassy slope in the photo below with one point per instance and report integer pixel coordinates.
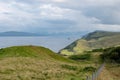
(38, 63)
(31, 51)
(110, 72)
(112, 58)
(97, 39)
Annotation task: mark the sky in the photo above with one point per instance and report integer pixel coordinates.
(59, 16)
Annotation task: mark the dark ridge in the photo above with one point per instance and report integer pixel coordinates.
(98, 34)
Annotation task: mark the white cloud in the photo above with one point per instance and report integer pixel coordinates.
(12, 18)
(101, 2)
(59, 1)
(67, 15)
(50, 11)
(108, 27)
(86, 3)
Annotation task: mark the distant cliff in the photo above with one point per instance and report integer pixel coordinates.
(94, 40)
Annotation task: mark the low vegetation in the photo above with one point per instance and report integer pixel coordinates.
(81, 57)
(89, 69)
(39, 63)
(111, 55)
(110, 72)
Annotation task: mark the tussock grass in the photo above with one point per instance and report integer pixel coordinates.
(26, 68)
(38, 63)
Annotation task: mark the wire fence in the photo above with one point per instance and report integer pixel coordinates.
(95, 75)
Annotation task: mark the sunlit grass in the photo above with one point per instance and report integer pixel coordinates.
(38, 63)
(26, 68)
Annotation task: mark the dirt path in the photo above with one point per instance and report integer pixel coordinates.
(105, 75)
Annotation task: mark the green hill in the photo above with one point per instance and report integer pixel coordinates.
(94, 40)
(31, 51)
(39, 63)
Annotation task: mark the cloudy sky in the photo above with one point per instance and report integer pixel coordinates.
(59, 16)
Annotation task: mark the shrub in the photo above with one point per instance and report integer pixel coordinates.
(98, 50)
(70, 67)
(89, 69)
(72, 79)
(111, 55)
(81, 57)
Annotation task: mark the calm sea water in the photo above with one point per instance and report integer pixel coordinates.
(53, 43)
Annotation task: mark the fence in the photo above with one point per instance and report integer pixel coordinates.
(96, 73)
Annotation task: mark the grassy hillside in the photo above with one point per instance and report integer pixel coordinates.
(94, 40)
(111, 56)
(97, 47)
(110, 72)
(31, 51)
(39, 63)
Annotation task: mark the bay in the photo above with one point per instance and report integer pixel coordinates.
(52, 42)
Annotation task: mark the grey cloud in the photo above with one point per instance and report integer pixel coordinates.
(53, 16)
(107, 15)
(64, 21)
(6, 13)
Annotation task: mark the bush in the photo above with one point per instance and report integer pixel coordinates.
(89, 69)
(81, 57)
(111, 55)
(98, 50)
(69, 67)
(72, 79)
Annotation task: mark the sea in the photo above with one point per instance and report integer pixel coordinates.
(55, 43)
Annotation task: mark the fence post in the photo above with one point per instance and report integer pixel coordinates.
(87, 78)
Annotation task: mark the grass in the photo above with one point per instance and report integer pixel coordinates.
(81, 57)
(39, 63)
(110, 72)
(26, 68)
(112, 58)
(31, 51)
